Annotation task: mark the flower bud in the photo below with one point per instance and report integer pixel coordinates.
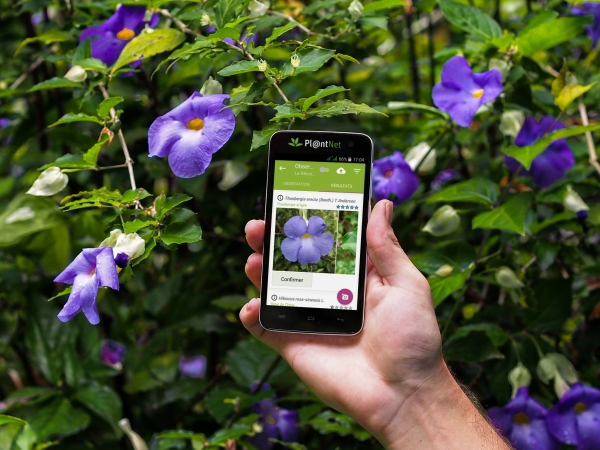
(50, 182)
(573, 202)
(444, 270)
(262, 65)
(511, 122)
(444, 221)
(130, 244)
(211, 87)
(519, 377)
(506, 278)
(295, 61)
(258, 8)
(76, 73)
(136, 441)
(355, 9)
(205, 20)
(501, 65)
(421, 152)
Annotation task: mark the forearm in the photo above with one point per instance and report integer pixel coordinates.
(440, 415)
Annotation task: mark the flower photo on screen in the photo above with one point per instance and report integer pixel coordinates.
(304, 240)
(345, 262)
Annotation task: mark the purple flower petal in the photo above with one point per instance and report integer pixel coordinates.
(323, 243)
(533, 436)
(163, 134)
(112, 352)
(189, 158)
(443, 177)
(461, 107)
(316, 225)
(84, 292)
(393, 177)
(193, 367)
(309, 253)
(458, 75)
(295, 227)
(588, 426)
(287, 425)
(106, 269)
(290, 248)
(491, 81)
(587, 9)
(84, 263)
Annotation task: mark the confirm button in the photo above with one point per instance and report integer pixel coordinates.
(292, 279)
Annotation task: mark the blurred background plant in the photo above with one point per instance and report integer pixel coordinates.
(483, 116)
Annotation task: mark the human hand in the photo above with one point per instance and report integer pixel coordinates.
(391, 377)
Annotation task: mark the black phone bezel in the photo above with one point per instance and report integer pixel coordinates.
(316, 320)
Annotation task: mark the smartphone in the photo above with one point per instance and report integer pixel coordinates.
(314, 254)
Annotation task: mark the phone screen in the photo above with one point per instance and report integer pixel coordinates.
(315, 233)
(318, 196)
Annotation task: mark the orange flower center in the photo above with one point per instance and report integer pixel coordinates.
(521, 419)
(270, 420)
(478, 93)
(195, 124)
(125, 34)
(306, 236)
(580, 407)
(388, 174)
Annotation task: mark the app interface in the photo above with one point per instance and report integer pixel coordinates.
(316, 234)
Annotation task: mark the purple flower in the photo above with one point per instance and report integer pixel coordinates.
(575, 419)
(393, 179)
(4, 122)
(462, 92)
(523, 422)
(112, 36)
(444, 177)
(305, 241)
(191, 133)
(245, 39)
(112, 353)
(590, 9)
(276, 422)
(193, 367)
(553, 162)
(92, 268)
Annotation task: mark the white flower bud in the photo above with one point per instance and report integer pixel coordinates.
(211, 86)
(205, 20)
(501, 65)
(573, 202)
(506, 278)
(130, 244)
(262, 65)
(50, 182)
(355, 9)
(76, 73)
(444, 221)
(136, 441)
(23, 213)
(511, 122)
(416, 154)
(519, 377)
(295, 61)
(444, 270)
(258, 8)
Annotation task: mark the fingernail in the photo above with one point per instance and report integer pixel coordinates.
(389, 211)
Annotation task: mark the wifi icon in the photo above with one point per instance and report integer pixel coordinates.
(328, 159)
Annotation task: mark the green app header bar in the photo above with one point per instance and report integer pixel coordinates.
(319, 176)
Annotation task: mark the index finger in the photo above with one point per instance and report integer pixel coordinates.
(255, 235)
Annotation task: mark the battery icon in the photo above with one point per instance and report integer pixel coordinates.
(349, 159)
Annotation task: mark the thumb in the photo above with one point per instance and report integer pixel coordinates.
(388, 258)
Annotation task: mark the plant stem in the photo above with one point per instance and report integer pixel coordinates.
(588, 138)
(128, 160)
(432, 148)
(291, 19)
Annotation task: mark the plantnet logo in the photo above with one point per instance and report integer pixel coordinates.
(295, 142)
(324, 144)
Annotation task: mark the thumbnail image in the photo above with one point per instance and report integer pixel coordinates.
(346, 242)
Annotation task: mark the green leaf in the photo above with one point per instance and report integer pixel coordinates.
(340, 107)
(281, 30)
(459, 255)
(48, 37)
(62, 293)
(72, 117)
(471, 19)
(105, 106)
(249, 360)
(442, 287)
(230, 302)
(239, 67)
(569, 93)
(374, 21)
(241, 96)
(496, 334)
(149, 247)
(148, 44)
(58, 418)
(476, 190)
(540, 18)
(181, 233)
(137, 224)
(226, 33)
(550, 34)
(171, 203)
(93, 64)
(260, 138)
(286, 111)
(407, 107)
(509, 216)
(555, 218)
(474, 348)
(87, 160)
(382, 4)
(311, 59)
(55, 83)
(225, 11)
(526, 155)
(4, 420)
(552, 306)
(321, 93)
(102, 401)
(135, 194)
(349, 242)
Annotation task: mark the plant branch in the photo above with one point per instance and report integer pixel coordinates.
(291, 19)
(588, 138)
(128, 160)
(34, 65)
(221, 370)
(178, 22)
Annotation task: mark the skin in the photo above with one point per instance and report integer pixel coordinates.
(391, 377)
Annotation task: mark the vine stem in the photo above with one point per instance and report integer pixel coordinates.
(34, 65)
(128, 160)
(588, 138)
(291, 19)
